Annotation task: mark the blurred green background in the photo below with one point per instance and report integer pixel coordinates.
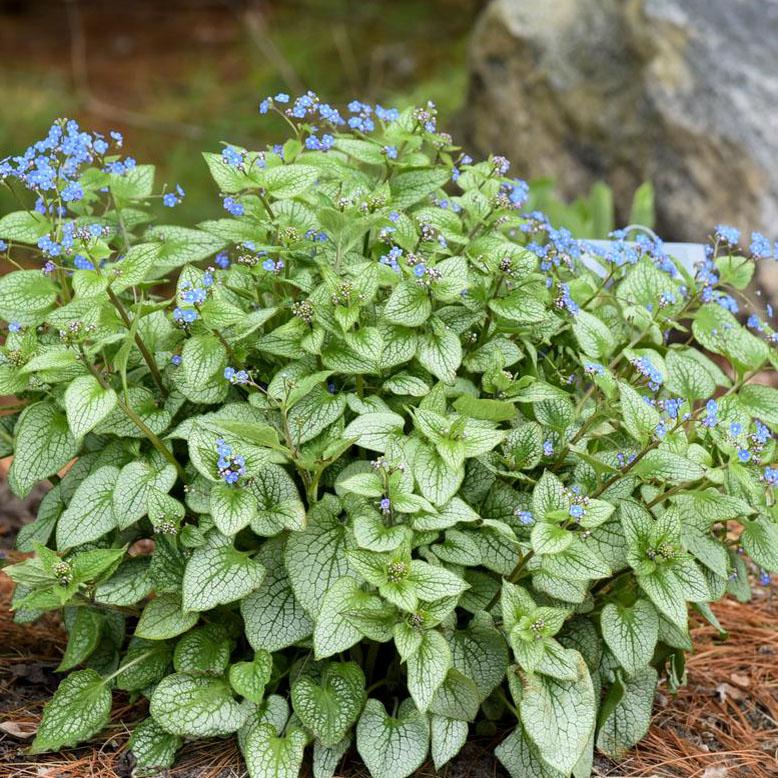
(179, 76)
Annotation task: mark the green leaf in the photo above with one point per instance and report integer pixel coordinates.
(521, 758)
(687, 377)
(78, 710)
(288, 181)
(412, 186)
(128, 585)
(218, 573)
(437, 481)
(667, 593)
(145, 662)
(203, 651)
(719, 331)
(191, 706)
(427, 668)
(24, 227)
(202, 358)
(593, 335)
(278, 502)
(314, 413)
(141, 485)
(761, 402)
(230, 179)
(269, 755)
(409, 305)
(90, 513)
(180, 245)
(664, 465)
(134, 184)
(487, 410)
(232, 508)
(559, 716)
(447, 738)
(631, 633)
(392, 747)
(519, 308)
(84, 627)
(735, 271)
(480, 653)
(640, 418)
(371, 430)
(134, 266)
(760, 540)
(162, 618)
(630, 719)
(315, 558)
(153, 748)
(43, 445)
(345, 610)
(440, 351)
(273, 617)
(329, 707)
(250, 678)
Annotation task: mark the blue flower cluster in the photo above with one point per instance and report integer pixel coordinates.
(174, 198)
(56, 161)
(524, 516)
(726, 234)
(309, 106)
(645, 367)
(236, 376)
(761, 248)
(233, 207)
(231, 466)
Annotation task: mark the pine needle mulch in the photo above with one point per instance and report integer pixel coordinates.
(722, 724)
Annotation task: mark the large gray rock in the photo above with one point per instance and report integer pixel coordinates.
(680, 92)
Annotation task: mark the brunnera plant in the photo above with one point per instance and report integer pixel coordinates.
(406, 461)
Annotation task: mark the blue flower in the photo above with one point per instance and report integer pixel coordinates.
(72, 192)
(281, 97)
(176, 359)
(385, 505)
(232, 156)
(744, 455)
(765, 578)
(770, 475)
(390, 151)
(548, 448)
(577, 511)
(14, 326)
(760, 247)
(195, 296)
(727, 234)
(419, 270)
(711, 414)
(660, 430)
(525, 517)
(236, 376)
(222, 259)
(269, 265)
(233, 207)
(82, 263)
(185, 315)
(593, 368)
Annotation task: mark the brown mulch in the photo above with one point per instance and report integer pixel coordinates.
(722, 724)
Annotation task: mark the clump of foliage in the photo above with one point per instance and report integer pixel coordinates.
(376, 457)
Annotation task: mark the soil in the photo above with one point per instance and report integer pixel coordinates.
(722, 724)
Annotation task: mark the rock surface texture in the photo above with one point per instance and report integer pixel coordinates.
(680, 92)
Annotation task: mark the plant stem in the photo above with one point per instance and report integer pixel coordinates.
(145, 353)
